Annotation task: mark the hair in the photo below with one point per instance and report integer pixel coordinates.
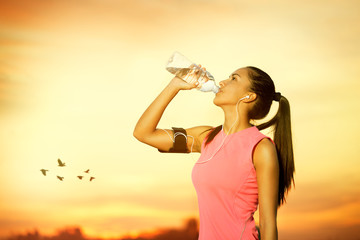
(263, 86)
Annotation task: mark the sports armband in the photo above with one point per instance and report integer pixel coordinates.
(180, 142)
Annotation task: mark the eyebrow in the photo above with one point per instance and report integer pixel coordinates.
(235, 74)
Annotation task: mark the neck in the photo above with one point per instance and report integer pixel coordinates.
(235, 121)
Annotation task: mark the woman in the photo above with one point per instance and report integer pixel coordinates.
(239, 167)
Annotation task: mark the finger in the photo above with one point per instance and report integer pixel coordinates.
(191, 85)
(197, 74)
(190, 78)
(200, 72)
(193, 76)
(197, 69)
(201, 67)
(194, 85)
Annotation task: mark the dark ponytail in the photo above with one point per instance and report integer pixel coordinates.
(263, 86)
(212, 134)
(281, 123)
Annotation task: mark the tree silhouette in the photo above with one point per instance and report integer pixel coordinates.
(28, 236)
(69, 234)
(64, 234)
(188, 232)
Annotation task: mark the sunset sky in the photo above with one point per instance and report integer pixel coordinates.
(75, 76)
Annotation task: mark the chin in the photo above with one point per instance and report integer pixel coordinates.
(217, 101)
(224, 101)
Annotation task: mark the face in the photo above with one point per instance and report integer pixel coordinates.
(232, 89)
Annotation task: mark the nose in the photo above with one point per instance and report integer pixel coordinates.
(222, 83)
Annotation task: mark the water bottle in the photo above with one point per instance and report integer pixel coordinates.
(182, 67)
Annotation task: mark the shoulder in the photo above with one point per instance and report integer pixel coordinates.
(264, 154)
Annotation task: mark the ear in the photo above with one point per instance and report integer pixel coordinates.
(252, 97)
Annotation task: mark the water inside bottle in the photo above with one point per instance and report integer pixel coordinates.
(182, 67)
(189, 74)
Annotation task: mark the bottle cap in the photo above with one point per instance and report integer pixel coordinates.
(209, 86)
(215, 89)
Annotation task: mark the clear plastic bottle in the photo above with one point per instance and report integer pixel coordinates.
(182, 67)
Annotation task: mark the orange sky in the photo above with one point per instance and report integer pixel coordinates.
(76, 75)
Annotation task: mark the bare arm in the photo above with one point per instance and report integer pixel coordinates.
(146, 129)
(267, 172)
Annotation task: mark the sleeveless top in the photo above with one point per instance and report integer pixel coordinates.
(226, 186)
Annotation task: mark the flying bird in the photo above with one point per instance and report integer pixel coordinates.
(80, 177)
(60, 178)
(91, 178)
(87, 171)
(61, 164)
(43, 171)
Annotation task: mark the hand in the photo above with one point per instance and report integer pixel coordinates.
(180, 84)
(191, 79)
(204, 77)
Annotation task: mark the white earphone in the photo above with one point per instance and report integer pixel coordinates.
(248, 96)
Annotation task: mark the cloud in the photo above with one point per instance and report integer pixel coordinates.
(318, 205)
(12, 88)
(321, 196)
(325, 232)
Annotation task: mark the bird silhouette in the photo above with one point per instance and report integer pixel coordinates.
(43, 171)
(60, 178)
(80, 177)
(87, 171)
(91, 178)
(61, 164)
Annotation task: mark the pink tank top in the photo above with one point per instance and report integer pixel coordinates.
(226, 186)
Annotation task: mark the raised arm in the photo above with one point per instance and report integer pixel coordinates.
(146, 130)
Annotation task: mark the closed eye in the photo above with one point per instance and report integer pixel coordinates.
(232, 76)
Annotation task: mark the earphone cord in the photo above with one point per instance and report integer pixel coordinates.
(180, 133)
(226, 134)
(244, 227)
(222, 143)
